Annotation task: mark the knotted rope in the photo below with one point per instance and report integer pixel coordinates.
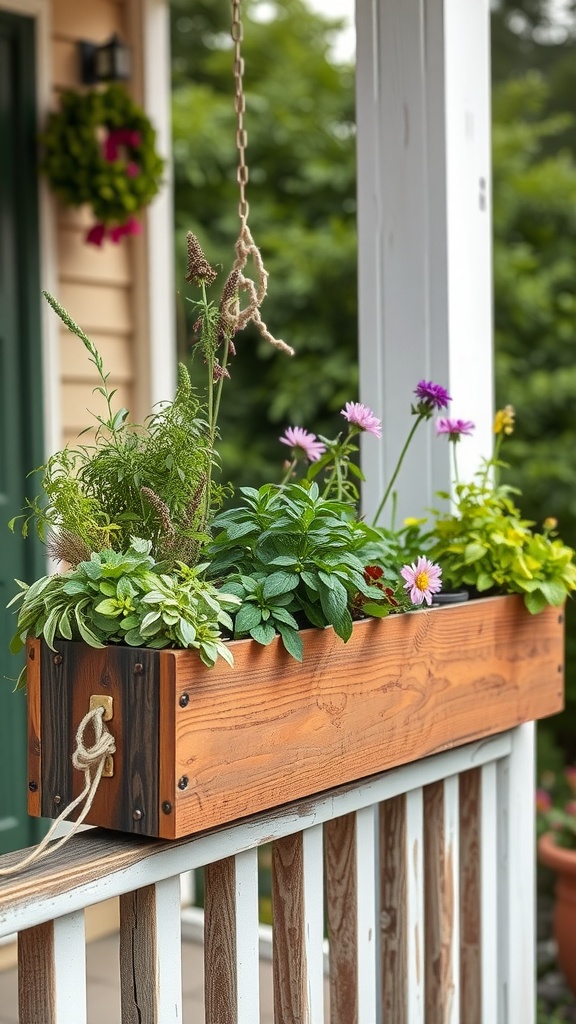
(246, 248)
(85, 758)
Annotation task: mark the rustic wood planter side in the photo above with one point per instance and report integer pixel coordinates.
(199, 747)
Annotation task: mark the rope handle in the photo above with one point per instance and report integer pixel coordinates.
(84, 759)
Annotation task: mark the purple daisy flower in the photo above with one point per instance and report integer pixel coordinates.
(361, 416)
(422, 580)
(303, 444)
(431, 396)
(454, 428)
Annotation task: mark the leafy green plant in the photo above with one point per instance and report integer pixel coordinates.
(120, 597)
(151, 481)
(295, 557)
(484, 542)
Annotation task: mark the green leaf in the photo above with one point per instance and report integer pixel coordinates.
(292, 641)
(247, 618)
(108, 607)
(263, 633)
(553, 592)
(376, 611)
(280, 583)
(484, 582)
(284, 616)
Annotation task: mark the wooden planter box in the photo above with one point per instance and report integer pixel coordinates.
(198, 747)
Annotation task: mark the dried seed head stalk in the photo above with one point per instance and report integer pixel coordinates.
(66, 546)
(229, 305)
(163, 513)
(198, 270)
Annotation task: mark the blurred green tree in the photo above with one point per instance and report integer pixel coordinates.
(301, 153)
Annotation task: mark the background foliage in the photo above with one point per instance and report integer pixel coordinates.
(300, 119)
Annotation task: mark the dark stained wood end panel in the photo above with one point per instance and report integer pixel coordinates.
(70, 676)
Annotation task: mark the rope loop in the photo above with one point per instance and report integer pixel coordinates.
(85, 758)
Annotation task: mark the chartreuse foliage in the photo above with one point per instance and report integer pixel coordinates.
(294, 558)
(486, 544)
(120, 597)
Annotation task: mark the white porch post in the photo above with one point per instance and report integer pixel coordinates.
(423, 115)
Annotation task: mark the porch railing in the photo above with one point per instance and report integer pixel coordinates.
(426, 874)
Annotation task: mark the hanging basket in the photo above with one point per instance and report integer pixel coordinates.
(198, 747)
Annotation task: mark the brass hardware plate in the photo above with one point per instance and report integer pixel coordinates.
(108, 770)
(101, 700)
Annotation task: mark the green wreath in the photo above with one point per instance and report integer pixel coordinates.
(99, 149)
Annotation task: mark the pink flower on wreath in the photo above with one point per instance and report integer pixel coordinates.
(423, 579)
(303, 444)
(454, 428)
(361, 416)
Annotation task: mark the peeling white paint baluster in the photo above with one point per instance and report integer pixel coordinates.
(415, 907)
(367, 897)
(313, 866)
(168, 952)
(489, 895)
(248, 981)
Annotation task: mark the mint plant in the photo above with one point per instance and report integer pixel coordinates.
(295, 558)
(120, 597)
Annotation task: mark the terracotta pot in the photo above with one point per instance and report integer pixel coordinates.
(563, 862)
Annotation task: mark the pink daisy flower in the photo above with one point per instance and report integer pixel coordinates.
(303, 444)
(361, 416)
(454, 428)
(422, 580)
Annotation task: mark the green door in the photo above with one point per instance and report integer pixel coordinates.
(20, 392)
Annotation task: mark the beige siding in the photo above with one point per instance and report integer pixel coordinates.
(94, 284)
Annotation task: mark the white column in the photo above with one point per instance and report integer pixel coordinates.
(153, 305)
(423, 115)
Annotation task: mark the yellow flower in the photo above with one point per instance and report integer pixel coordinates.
(504, 420)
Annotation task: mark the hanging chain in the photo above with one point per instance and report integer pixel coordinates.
(240, 108)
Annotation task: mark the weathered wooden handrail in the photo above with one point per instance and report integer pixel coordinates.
(426, 870)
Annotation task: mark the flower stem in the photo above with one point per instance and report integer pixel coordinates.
(455, 457)
(397, 470)
(289, 472)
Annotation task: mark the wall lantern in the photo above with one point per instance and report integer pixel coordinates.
(111, 62)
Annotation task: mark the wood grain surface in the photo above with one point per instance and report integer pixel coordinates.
(470, 897)
(70, 676)
(342, 914)
(138, 957)
(393, 912)
(234, 741)
(271, 730)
